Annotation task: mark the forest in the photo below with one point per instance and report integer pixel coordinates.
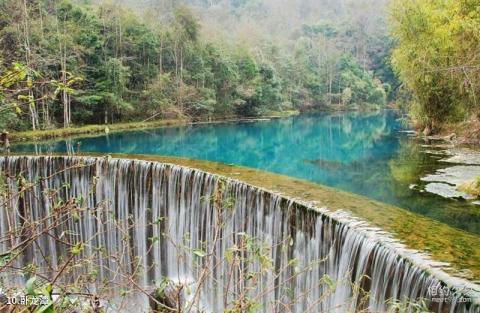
(437, 58)
(67, 63)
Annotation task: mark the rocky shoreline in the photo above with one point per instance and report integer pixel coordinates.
(461, 177)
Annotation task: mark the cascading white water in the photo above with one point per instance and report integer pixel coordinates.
(161, 220)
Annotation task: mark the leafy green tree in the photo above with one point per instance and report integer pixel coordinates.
(102, 62)
(436, 58)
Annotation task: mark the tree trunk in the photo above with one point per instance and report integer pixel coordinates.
(28, 60)
(63, 71)
(160, 56)
(66, 109)
(181, 64)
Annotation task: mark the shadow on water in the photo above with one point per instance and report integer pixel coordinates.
(363, 153)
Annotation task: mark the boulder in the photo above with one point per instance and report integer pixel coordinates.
(169, 298)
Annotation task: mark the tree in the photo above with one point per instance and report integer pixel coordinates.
(103, 62)
(437, 58)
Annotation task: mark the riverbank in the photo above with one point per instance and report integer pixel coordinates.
(56, 133)
(465, 133)
(461, 145)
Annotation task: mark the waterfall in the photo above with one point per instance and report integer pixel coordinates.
(219, 237)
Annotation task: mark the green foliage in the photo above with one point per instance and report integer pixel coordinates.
(417, 306)
(471, 187)
(186, 23)
(44, 293)
(103, 63)
(437, 57)
(364, 88)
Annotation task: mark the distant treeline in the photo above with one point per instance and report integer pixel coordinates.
(64, 63)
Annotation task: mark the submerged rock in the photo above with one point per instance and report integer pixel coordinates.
(455, 175)
(463, 156)
(439, 152)
(446, 191)
(168, 299)
(446, 182)
(459, 181)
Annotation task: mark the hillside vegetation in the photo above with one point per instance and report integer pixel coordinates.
(65, 62)
(438, 58)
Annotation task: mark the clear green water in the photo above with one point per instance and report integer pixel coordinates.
(363, 153)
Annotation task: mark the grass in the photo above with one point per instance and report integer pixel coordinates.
(471, 187)
(32, 135)
(90, 129)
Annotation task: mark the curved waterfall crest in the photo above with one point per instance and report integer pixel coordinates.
(316, 260)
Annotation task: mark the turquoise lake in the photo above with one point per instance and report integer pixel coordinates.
(365, 153)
